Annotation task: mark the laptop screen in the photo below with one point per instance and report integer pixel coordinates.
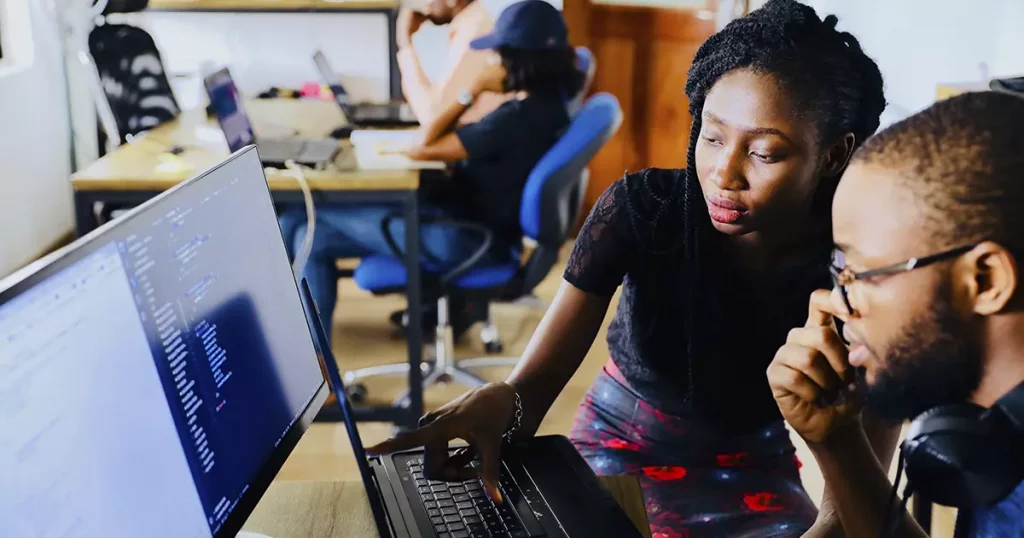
(227, 105)
(331, 79)
(154, 376)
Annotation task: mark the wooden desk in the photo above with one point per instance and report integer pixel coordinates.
(340, 509)
(146, 166)
(136, 172)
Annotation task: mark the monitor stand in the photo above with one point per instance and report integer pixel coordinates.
(247, 534)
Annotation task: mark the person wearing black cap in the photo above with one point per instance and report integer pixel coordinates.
(534, 64)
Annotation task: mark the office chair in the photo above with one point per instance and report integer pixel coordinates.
(552, 199)
(129, 83)
(132, 76)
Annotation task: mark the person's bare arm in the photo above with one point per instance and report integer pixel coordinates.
(600, 260)
(556, 351)
(416, 87)
(428, 100)
(860, 486)
(448, 148)
(443, 124)
(438, 139)
(481, 415)
(883, 440)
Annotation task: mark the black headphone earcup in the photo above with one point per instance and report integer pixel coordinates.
(956, 458)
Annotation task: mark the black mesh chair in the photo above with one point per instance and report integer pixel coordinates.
(131, 74)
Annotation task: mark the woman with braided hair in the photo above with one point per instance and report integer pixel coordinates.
(716, 262)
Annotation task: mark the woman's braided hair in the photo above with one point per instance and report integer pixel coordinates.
(838, 86)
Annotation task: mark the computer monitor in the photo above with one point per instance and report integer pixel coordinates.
(226, 102)
(155, 375)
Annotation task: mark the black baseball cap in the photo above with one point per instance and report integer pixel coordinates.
(531, 25)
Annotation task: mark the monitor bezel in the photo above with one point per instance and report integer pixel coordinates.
(26, 278)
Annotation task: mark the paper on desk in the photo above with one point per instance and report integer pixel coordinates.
(385, 141)
(386, 148)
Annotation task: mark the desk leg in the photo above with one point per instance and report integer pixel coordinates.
(413, 292)
(395, 75)
(85, 218)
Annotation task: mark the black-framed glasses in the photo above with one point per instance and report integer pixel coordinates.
(843, 276)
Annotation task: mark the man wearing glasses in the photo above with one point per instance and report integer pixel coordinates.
(929, 300)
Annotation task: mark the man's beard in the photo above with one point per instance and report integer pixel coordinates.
(935, 361)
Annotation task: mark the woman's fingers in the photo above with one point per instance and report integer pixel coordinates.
(431, 433)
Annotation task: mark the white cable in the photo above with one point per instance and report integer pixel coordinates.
(302, 253)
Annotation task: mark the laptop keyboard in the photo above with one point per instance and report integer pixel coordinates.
(463, 510)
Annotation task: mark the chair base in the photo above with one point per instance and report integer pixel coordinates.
(443, 368)
(433, 374)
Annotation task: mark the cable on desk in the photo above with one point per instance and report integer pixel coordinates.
(302, 254)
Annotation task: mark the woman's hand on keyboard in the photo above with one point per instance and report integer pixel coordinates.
(480, 417)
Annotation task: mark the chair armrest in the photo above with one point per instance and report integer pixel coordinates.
(459, 270)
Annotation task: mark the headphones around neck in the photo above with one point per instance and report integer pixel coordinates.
(964, 455)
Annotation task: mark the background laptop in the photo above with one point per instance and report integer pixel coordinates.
(155, 375)
(227, 105)
(363, 114)
(549, 489)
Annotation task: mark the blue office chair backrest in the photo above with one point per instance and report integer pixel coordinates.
(554, 189)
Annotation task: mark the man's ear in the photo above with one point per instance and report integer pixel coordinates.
(990, 273)
(837, 155)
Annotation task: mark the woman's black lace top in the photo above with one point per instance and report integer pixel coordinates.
(634, 238)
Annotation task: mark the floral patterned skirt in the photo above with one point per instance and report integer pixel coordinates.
(697, 483)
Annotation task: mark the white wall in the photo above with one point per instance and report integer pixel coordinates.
(35, 151)
(276, 49)
(919, 44)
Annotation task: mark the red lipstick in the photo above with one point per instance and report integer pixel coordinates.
(724, 210)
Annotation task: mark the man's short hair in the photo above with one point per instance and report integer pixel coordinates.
(964, 159)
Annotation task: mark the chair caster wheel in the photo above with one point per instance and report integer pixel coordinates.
(494, 347)
(356, 393)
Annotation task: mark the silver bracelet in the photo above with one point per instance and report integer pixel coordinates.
(516, 420)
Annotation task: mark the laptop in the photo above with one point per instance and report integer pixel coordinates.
(227, 105)
(363, 114)
(549, 489)
(155, 374)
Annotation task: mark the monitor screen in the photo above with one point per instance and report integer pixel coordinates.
(154, 375)
(227, 105)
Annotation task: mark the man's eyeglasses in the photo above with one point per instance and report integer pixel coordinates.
(843, 276)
